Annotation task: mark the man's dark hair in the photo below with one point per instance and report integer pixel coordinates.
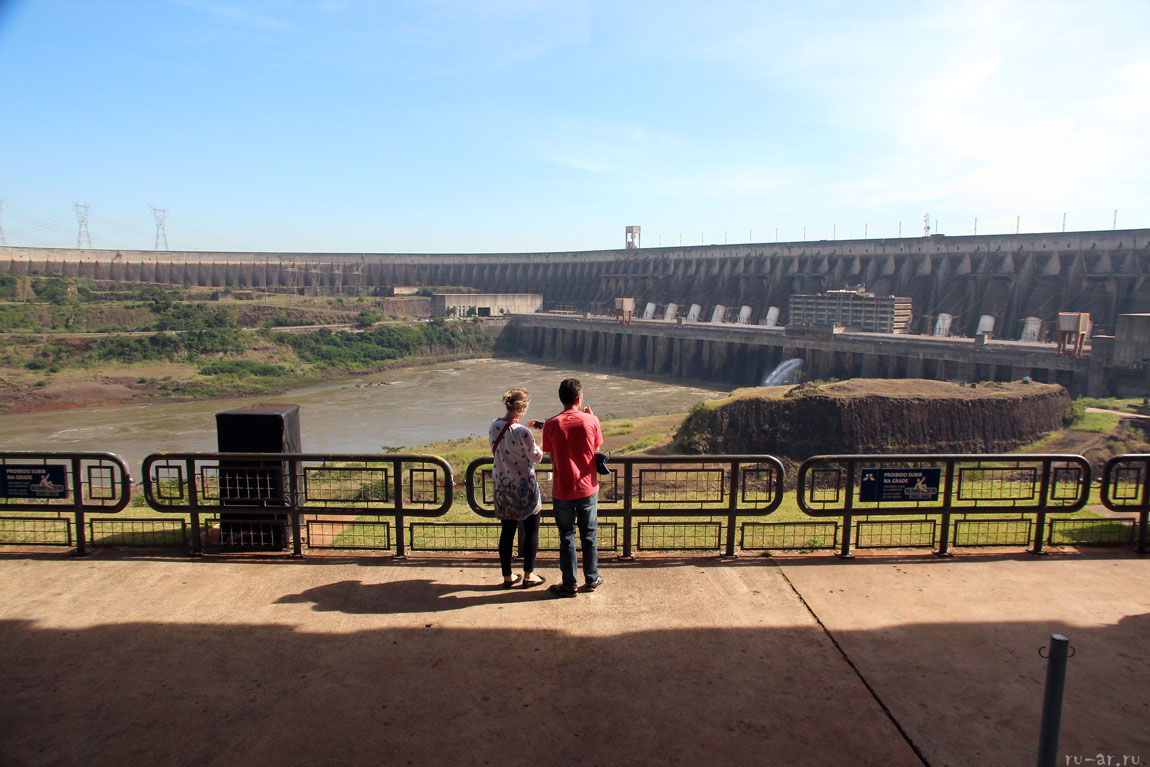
(569, 391)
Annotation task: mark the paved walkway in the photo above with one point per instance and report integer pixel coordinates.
(898, 659)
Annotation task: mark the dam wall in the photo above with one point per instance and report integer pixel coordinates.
(745, 355)
(1007, 277)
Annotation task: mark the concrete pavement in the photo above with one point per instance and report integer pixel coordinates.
(892, 659)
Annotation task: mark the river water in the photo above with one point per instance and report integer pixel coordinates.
(401, 408)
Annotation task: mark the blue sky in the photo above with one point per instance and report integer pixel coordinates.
(513, 125)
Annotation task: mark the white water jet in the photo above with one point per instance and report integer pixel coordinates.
(783, 374)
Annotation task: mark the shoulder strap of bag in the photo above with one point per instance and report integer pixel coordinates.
(500, 437)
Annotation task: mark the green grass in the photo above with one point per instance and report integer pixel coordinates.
(1128, 405)
(1100, 423)
(640, 444)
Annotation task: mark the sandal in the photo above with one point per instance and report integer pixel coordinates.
(532, 584)
(508, 584)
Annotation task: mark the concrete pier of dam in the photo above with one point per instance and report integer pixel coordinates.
(744, 355)
(1011, 278)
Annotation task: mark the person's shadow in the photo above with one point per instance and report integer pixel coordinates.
(413, 596)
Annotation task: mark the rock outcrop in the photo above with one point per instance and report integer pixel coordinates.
(875, 416)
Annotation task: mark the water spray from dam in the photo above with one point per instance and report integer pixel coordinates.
(783, 374)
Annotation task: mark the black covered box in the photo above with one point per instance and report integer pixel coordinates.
(263, 428)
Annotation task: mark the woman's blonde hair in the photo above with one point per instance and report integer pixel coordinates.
(516, 400)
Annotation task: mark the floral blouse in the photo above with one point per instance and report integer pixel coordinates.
(516, 491)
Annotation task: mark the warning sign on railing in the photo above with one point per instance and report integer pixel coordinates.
(890, 485)
(31, 481)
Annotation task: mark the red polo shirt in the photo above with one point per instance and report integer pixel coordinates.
(572, 437)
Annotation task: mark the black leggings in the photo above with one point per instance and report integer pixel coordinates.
(528, 542)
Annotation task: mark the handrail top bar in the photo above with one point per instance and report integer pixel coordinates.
(950, 456)
(679, 457)
(60, 454)
(152, 457)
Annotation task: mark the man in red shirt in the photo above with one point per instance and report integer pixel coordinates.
(572, 437)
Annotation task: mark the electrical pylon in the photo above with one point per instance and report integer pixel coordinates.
(161, 216)
(83, 211)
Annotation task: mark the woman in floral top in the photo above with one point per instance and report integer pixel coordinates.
(517, 497)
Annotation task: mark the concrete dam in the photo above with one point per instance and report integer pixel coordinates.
(742, 355)
(1008, 278)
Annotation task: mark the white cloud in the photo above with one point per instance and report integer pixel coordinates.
(1026, 108)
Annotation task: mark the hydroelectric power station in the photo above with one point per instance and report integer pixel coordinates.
(982, 307)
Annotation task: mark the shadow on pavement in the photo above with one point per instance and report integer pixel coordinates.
(195, 694)
(410, 596)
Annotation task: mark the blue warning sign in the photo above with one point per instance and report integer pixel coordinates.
(902, 485)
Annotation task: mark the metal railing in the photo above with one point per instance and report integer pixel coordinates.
(63, 483)
(1126, 488)
(651, 503)
(257, 495)
(730, 486)
(907, 492)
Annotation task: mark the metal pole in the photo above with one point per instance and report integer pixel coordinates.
(193, 500)
(78, 499)
(1144, 516)
(848, 505)
(947, 500)
(1040, 514)
(732, 510)
(628, 486)
(397, 488)
(1052, 700)
(296, 512)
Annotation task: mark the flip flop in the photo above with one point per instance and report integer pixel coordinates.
(532, 584)
(513, 581)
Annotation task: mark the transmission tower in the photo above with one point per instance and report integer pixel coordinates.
(161, 216)
(83, 211)
(3, 239)
(926, 225)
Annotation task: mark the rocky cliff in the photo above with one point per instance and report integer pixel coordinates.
(874, 416)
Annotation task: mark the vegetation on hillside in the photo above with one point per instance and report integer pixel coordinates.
(203, 347)
(358, 351)
(53, 302)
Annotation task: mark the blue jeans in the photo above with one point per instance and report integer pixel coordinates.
(585, 512)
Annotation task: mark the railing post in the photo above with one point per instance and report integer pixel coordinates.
(397, 485)
(194, 502)
(1144, 517)
(947, 500)
(78, 499)
(1052, 700)
(1040, 517)
(848, 505)
(294, 496)
(628, 484)
(1143, 523)
(732, 510)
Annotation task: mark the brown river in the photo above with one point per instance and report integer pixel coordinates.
(397, 409)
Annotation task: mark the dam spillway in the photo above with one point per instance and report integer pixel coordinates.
(1008, 277)
(743, 355)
